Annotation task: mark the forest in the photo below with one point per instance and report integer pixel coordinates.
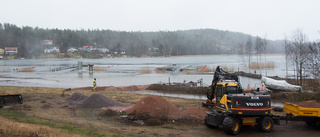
(168, 43)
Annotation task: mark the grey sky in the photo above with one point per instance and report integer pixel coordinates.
(272, 19)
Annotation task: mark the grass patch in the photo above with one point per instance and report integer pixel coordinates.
(12, 128)
(145, 70)
(73, 129)
(96, 68)
(264, 65)
(213, 69)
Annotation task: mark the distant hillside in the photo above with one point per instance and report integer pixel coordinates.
(164, 43)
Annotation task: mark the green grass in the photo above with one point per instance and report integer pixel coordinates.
(72, 129)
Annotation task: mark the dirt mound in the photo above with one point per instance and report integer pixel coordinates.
(197, 112)
(76, 97)
(309, 104)
(96, 101)
(155, 106)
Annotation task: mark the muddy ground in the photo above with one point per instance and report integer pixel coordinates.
(45, 104)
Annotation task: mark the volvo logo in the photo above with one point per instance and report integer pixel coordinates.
(254, 104)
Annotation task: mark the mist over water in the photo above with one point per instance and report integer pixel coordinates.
(62, 73)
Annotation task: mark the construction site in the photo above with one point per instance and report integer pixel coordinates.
(152, 103)
(107, 112)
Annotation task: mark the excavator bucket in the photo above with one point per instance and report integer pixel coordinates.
(208, 104)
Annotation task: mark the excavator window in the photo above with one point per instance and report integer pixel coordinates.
(231, 89)
(219, 93)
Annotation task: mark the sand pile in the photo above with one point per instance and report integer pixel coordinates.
(78, 100)
(309, 104)
(197, 112)
(155, 106)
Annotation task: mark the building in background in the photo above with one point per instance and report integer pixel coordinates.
(47, 44)
(10, 50)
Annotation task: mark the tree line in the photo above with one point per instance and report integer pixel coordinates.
(169, 43)
(302, 56)
(250, 48)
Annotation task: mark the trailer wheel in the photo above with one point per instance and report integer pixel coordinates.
(208, 125)
(265, 124)
(231, 125)
(311, 123)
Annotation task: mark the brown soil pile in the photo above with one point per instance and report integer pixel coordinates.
(155, 106)
(96, 101)
(309, 104)
(196, 112)
(75, 97)
(112, 88)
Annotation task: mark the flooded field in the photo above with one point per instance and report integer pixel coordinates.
(63, 73)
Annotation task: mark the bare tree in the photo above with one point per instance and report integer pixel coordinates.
(297, 53)
(249, 51)
(287, 46)
(259, 49)
(246, 52)
(314, 60)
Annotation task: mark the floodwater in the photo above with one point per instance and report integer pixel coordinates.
(122, 71)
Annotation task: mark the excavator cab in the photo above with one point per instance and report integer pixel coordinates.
(223, 83)
(224, 88)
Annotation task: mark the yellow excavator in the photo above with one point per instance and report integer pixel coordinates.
(231, 108)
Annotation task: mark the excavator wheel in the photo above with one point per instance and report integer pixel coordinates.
(265, 124)
(311, 123)
(231, 125)
(208, 125)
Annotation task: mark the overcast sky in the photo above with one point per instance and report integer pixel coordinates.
(272, 19)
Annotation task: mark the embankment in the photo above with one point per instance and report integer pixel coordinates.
(179, 89)
(295, 96)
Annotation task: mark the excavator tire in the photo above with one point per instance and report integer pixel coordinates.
(208, 125)
(312, 123)
(265, 124)
(231, 125)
